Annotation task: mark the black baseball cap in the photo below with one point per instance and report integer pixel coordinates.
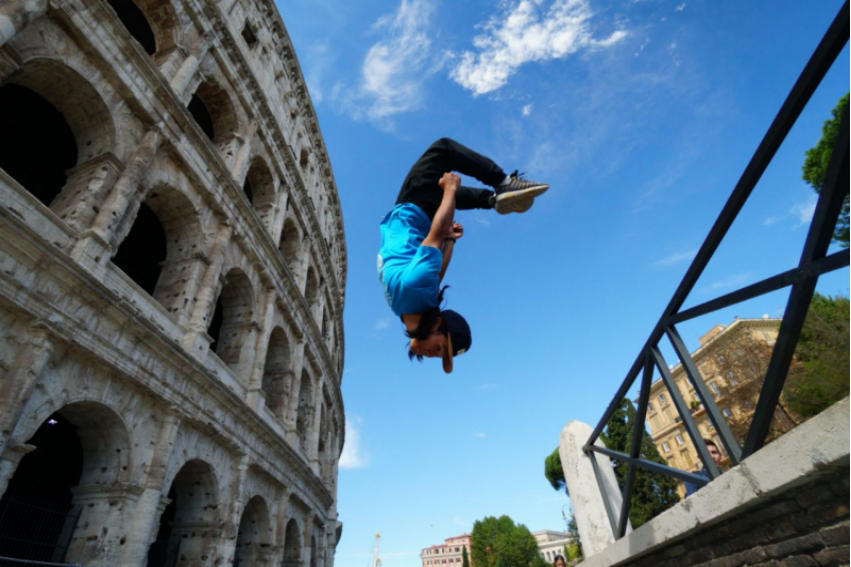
(460, 338)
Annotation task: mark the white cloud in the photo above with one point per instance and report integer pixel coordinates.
(680, 8)
(354, 455)
(734, 280)
(675, 258)
(381, 324)
(396, 66)
(481, 435)
(772, 220)
(804, 211)
(526, 110)
(527, 31)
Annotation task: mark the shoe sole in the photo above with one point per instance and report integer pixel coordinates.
(516, 206)
(508, 202)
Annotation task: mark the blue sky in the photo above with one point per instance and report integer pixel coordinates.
(641, 115)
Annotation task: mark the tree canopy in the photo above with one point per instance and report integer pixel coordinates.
(501, 542)
(653, 493)
(815, 165)
(553, 471)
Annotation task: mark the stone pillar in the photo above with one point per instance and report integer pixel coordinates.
(243, 156)
(105, 516)
(292, 409)
(196, 340)
(183, 77)
(256, 395)
(145, 518)
(590, 503)
(330, 543)
(15, 16)
(111, 224)
(314, 433)
(280, 531)
(9, 461)
(18, 383)
(307, 547)
(225, 547)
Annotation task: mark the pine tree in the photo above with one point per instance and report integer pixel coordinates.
(465, 559)
(652, 493)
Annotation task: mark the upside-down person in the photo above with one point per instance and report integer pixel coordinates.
(419, 234)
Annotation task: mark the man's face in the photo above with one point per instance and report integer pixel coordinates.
(559, 563)
(715, 454)
(434, 346)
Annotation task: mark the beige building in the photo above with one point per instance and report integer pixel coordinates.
(552, 543)
(450, 552)
(712, 358)
(172, 267)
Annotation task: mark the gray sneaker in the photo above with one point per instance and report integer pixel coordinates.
(517, 195)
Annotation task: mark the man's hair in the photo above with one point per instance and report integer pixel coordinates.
(711, 442)
(557, 557)
(423, 330)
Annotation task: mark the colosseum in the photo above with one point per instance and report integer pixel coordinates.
(172, 274)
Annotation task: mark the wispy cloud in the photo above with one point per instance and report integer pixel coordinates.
(804, 211)
(527, 31)
(354, 455)
(526, 110)
(459, 521)
(675, 258)
(381, 324)
(680, 8)
(481, 435)
(772, 220)
(487, 387)
(397, 65)
(732, 281)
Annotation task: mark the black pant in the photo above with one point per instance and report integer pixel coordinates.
(421, 185)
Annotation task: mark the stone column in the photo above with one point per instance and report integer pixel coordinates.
(256, 395)
(111, 224)
(307, 547)
(281, 519)
(243, 156)
(330, 543)
(183, 77)
(15, 16)
(225, 547)
(16, 386)
(592, 505)
(292, 409)
(9, 461)
(105, 516)
(314, 433)
(196, 340)
(145, 517)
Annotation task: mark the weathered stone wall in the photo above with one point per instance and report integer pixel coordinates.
(805, 527)
(241, 440)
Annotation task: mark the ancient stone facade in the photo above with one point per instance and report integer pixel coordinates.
(172, 267)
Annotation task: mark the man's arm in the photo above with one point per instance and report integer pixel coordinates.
(455, 232)
(442, 221)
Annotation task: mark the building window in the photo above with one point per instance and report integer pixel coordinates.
(650, 406)
(662, 399)
(679, 439)
(666, 447)
(709, 426)
(727, 413)
(714, 387)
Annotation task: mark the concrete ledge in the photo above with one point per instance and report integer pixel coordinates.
(816, 447)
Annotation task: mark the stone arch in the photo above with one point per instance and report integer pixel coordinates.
(304, 411)
(82, 454)
(56, 127)
(213, 109)
(159, 251)
(153, 23)
(292, 545)
(254, 534)
(189, 517)
(291, 244)
(259, 187)
(277, 373)
(234, 317)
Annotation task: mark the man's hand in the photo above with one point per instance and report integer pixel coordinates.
(455, 231)
(449, 181)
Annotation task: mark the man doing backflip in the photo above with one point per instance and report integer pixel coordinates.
(419, 234)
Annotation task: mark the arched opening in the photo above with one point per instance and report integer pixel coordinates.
(290, 244)
(314, 551)
(277, 373)
(252, 539)
(259, 187)
(237, 317)
(184, 526)
(212, 109)
(61, 495)
(37, 146)
(136, 23)
(305, 410)
(292, 545)
(143, 250)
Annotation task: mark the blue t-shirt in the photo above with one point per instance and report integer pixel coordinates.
(409, 272)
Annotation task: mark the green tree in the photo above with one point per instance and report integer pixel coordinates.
(573, 550)
(815, 165)
(653, 493)
(465, 559)
(539, 561)
(820, 377)
(554, 472)
(498, 542)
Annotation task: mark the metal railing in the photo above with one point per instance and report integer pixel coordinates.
(35, 529)
(813, 263)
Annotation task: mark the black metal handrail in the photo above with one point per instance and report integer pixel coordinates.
(813, 263)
